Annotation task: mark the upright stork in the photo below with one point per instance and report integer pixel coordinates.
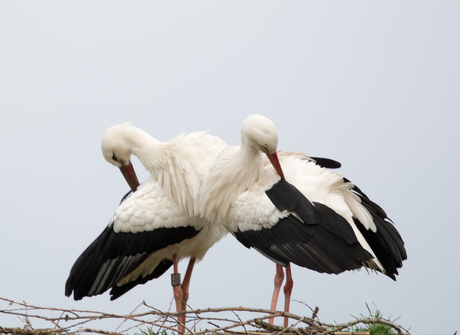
(297, 211)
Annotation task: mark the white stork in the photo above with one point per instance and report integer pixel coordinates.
(158, 224)
(324, 223)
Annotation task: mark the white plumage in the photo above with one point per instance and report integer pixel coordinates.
(329, 226)
(324, 223)
(158, 223)
(179, 165)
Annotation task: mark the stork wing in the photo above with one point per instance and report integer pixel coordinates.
(285, 226)
(146, 222)
(386, 242)
(323, 162)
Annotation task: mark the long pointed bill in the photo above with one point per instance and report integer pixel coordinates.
(130, 176)
(276, 164)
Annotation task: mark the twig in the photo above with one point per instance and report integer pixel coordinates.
(312, 329)
(365, 321)
(315, 313)
(98, 331)
(78, 321)
(25, 331)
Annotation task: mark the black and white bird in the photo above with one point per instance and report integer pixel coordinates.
(297, 212)
(158, 224)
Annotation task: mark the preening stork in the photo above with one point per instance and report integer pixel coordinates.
(301, 213)
(156, 225)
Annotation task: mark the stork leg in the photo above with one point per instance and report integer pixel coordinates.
(287, 292)
(178, 296)
(185, 291)
(279, 277)
(186, 283)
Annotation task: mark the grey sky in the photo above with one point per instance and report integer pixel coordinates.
(374, 85)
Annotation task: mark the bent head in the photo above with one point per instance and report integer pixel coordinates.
(115, 145)
(260, 133)
(116, 149)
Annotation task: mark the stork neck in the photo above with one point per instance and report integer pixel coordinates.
(169, 164)
(234, 172)
(147, 149)
(249, 164)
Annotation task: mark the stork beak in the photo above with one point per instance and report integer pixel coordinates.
(130, 176)
(276, 164)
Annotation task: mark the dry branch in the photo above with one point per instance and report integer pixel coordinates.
(148, 318)
(25, 331)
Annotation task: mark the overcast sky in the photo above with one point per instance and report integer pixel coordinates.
(372, 84)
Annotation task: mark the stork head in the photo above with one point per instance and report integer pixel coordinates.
(259, 132)
(116, 148)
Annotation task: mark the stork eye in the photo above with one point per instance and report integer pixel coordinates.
(114, 157)
(264, 148)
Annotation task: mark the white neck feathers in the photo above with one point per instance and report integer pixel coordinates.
(233, 173)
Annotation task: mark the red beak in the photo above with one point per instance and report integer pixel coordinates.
(276, 164)
(130, 176)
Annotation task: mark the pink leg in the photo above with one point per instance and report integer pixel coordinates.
(279, 277)
(287, 292)
(186, 283)
(178, 296)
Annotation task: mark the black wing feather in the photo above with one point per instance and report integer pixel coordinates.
(113, 255)
(327, 163)
(386, 242)
(118, 291)
(320, 240)
(312, 247)
(286, 197)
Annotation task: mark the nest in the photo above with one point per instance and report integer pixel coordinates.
(147, 320)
